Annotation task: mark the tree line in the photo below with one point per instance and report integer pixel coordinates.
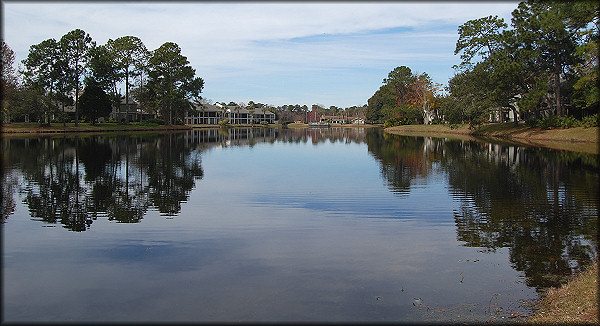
(544, 66)
(73, 78)
(76, 72)
(296, 112)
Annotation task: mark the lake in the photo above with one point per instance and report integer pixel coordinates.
(331, 224)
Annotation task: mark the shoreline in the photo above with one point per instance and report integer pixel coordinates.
(35, 129)
(577, 139)
(575, 302)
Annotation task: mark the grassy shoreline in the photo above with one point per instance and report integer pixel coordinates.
(58, 128)
(577, 139)
(576, 302)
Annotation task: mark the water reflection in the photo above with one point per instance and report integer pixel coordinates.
(541, 204)
(404, 159)
(210, 138)
(74, 180)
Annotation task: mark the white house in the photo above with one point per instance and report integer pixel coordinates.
(211, 114)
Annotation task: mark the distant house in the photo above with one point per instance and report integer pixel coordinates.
(312, 116)
(209, 114)
(206, 114)
(335, 119)
(135, 113)
(358, 121)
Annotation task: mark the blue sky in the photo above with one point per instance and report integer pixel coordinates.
(327, 53)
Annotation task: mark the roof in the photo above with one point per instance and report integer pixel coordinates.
(231, 108)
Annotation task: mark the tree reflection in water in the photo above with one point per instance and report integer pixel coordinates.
(73, 180)
(541, 204)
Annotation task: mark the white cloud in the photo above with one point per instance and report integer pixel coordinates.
(265, 41)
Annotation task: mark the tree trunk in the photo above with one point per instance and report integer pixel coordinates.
(76, 93)
(127, 95)
(76, 106)
(559, 109)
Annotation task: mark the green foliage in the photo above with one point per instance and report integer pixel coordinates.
(479, 37)
(587, 88)
(94, 102)
(172, 87)
(549, 55)
(383, 96)
(400, 80)
(129, 58)
(530, 100)
(8, 82)
(554, 121)
(57, 68)
(397, 122)
(75, 49)
(156, 121)
(224, 122)
(103, 68)
(470, 98)
(32, 102)
(437, 121)
(591, 121)
(392, 122)
(402, 95)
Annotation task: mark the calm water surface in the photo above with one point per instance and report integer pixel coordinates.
(288, 225)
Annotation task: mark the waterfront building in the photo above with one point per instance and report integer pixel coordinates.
(211, 114)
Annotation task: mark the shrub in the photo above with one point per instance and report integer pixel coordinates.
(392, 122)
(549, 122)
(224, 122)
(569, 122)
(437, 121)
(398, 122)
(156, 121)
(563, 122)
(533, 122)
(591, 121)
